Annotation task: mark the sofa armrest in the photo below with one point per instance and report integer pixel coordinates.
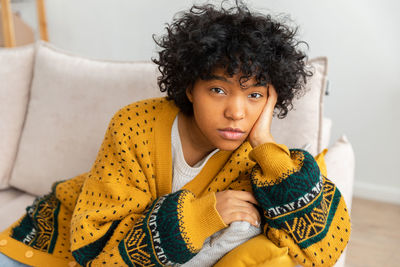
(325, 135)
(340, 164)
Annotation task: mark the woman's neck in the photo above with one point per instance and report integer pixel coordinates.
(194, 145)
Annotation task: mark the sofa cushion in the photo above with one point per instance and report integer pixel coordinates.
(15, 209)
(340, 165)
(72, 100)
(326, 132)
(9, 194)
(303, 124)
(15, 78)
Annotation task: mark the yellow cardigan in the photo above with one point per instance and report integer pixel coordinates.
(122, 212)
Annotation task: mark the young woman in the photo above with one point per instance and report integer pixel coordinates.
(186, 179)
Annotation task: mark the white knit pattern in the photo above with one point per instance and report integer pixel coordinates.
(182, 173)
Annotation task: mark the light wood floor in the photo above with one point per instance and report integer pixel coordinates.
(375, 237)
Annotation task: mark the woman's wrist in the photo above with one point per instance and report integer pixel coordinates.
(256, 142)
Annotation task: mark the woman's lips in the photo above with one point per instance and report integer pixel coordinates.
(231, 134)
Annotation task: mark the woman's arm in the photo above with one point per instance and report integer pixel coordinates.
(172, 230)
(303, 210)
(119, 219)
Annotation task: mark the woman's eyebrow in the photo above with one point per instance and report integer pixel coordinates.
(220, 78)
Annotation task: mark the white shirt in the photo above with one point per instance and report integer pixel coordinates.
(182, 173)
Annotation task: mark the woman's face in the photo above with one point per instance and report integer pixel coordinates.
(225, 112)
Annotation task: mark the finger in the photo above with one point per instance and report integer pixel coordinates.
(265, 118)
(243, 203)
(243, 217)
(250, 209)
(271, 100)
(272, 95)
(238, 204)
(245, 214)
(245, 196)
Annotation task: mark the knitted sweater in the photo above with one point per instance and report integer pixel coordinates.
(223, 241)
(122, 212)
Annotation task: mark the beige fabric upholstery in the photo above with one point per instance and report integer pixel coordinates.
(326, 132)
(340, 165)
(15, 78)
(303, 124)
(14, 208)
(72, 100)
(9, 194)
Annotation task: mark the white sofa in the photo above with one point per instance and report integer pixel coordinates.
(55, 107)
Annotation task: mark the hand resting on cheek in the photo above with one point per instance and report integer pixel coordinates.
(261, 131)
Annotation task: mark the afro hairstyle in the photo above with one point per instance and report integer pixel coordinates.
(236, 39)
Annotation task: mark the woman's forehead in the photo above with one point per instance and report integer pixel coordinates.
(221, 74)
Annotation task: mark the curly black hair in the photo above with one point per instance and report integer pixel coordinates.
(240, 41)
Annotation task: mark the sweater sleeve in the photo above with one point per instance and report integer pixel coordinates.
(119, 220)
(303, 210)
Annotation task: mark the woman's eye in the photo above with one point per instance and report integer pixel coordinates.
(255, 95)
(217, 90)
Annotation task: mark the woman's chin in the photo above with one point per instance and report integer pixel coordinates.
(229, 145)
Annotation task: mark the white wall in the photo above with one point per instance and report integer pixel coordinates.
(359, 37)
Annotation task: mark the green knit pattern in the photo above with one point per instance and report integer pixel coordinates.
(156, 237)
(291, 189)
(32, 230)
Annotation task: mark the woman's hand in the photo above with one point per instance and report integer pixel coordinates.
(235, 205)
(261, 131)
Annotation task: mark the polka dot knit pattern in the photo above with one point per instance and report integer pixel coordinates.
(122, 212)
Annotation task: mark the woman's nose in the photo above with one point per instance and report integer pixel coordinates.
(235, 109)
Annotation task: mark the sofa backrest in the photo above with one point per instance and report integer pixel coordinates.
(16, 67)
(72, 99)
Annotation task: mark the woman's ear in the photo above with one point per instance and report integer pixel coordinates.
(189, 94)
